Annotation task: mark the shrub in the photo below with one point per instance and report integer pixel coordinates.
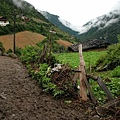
(29, 54)
(9, 51)
(116, 72)
(2, 47)
(111, 59)
(18, 51)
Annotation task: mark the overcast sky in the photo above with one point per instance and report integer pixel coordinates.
(77, 12)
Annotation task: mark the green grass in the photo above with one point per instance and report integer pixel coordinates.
(74, 60)
(90, 60)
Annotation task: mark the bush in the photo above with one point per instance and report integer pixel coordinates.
(18, 51)
(116, 72)
(9, 51)
(29, 54)
(2, 47)
(111, 60)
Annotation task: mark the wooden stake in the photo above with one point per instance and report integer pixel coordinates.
(105, 89)
(83, 90)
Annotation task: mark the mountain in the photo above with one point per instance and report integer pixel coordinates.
(60, 23)
(27, 18)
(105, 27)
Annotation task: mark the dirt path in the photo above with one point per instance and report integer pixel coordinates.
(22, 99)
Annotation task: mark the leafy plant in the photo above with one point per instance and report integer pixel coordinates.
(116, 72)
(2, 47)
(111, 59)
(92, 57)
(42, 76)
(29, 54)
(38, 71)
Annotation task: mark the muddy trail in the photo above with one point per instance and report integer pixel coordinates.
(22, 99)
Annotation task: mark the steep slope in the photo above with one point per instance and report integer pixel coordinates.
(104, 27)
(57, 21)
(64, 43)
(26, 18)
(22, 39)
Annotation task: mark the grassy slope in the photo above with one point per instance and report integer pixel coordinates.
(27, 38)
(73, 58)
(64, 43)
(90, 58)
(22, 39)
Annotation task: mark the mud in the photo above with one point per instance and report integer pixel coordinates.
(22, 99)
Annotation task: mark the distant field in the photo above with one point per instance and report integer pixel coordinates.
(22, 39)
(27, 38)
(90, 60)
(73, 58)
(64, 43)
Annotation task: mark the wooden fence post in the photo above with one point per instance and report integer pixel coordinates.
(104, 88)
(83, 89)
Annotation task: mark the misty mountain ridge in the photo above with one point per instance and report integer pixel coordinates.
(101, 22)
(27, 18)
(92, 29)
(60, 23)
(105, 27)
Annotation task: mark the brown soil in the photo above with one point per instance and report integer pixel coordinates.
(64, 43)
(22, 99)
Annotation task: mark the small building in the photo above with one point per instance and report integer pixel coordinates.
(26, 19)
(3, 21)
(90, 45)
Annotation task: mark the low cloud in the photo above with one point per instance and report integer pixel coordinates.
(68, 24)
(99, 22)
(19, 4)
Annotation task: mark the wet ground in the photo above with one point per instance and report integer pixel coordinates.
(22, 99)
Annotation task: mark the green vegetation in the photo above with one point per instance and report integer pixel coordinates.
(2, 49)
(54, 19)
(40, 71)
(111, 60)
(31, 56)
(34, 21)
(108, 33)
(55, 47)
(116, 72)
(111, 77)
(73, 58)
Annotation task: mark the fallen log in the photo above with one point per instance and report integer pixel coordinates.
(104, 88)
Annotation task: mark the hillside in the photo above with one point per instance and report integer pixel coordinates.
(64, 43)
(105, 27)
(55, 19)
(26, 17)
(22, 39)
(26, 38)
